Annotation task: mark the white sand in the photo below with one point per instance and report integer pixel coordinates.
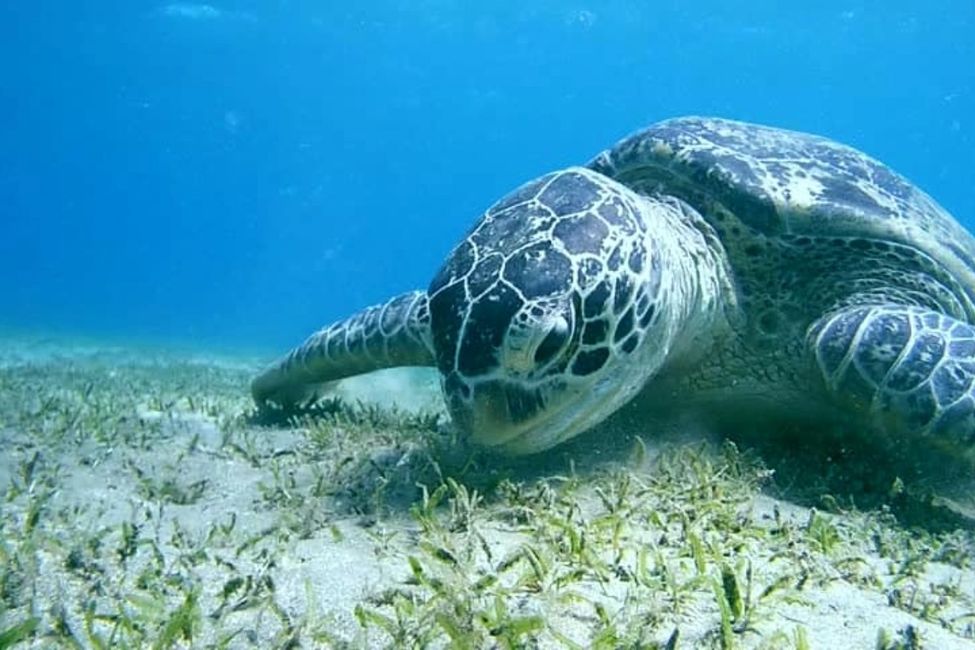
(328, 560)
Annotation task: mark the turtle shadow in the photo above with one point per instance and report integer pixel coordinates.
(831, 466)
(842, 468)
(830, 461)
(835, 464)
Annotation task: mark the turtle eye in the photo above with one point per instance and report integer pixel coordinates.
(553, 343)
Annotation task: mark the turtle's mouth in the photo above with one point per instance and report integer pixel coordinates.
(518, 419)
(502, 411)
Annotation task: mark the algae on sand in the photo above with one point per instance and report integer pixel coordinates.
(145, 506)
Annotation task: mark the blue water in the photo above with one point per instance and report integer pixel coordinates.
(240, 173)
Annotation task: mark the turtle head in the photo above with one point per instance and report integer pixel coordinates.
(538, 316)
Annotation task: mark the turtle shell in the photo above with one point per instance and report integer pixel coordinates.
(779, 182)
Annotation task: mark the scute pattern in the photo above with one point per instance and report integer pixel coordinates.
(559, 240)
(906, 360)
(483, 337)
(538, 271)
(781, 182)
(392, 334)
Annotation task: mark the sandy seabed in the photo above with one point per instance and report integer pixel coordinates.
(145, 504)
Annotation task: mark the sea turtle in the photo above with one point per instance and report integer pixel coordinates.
(709, 265)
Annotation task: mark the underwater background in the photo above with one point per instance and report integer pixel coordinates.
(237, 174)
(187, 188)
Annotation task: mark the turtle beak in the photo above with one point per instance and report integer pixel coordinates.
(500, 411)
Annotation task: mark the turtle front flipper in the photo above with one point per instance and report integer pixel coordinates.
(396, 333)
(909, 367)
